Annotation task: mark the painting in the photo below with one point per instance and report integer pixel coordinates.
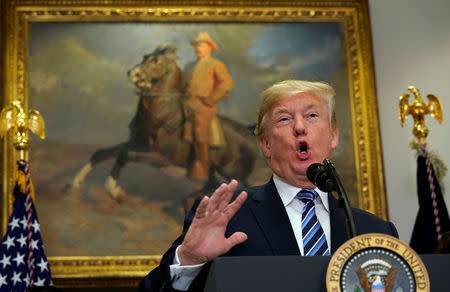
(114, 175)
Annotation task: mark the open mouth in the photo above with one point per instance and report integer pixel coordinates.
(303, 147)
(303, 150)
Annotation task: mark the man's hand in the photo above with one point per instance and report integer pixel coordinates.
(205, 238)
(207, 101)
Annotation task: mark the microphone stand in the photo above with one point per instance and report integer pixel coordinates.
(343, 199)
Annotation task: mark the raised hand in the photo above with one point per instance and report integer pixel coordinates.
(205, 238)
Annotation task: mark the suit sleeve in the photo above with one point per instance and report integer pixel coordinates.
(393, 230)
(369, 223)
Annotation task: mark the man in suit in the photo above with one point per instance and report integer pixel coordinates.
(296, 127)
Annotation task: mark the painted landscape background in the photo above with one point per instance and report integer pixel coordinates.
(78, 81)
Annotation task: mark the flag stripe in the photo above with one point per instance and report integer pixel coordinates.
(23, 263)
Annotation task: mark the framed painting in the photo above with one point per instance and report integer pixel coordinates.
(113, 178)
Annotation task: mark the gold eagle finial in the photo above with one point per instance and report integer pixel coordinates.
(418, 109)
(14, 117)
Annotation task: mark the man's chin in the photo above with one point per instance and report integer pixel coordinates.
(303, 166)
(301, 171)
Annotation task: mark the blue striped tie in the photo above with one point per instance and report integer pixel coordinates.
(314, 241)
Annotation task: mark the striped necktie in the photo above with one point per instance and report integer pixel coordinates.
(314, 241)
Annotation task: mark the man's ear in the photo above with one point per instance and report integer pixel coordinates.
(264, 145)
(334, 138)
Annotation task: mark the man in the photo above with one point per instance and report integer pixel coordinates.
(296, 127)
(209, 83)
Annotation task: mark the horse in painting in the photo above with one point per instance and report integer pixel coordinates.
(156, 130)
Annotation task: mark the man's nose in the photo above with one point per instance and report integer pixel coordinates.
(299, 126)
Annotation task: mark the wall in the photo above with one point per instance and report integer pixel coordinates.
(411, 41)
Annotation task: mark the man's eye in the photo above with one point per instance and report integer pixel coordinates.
(283, 119)
(312, 116)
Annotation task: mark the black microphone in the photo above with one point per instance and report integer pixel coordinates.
(324, 176)
(319, 176)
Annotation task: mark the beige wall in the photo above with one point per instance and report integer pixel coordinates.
(411, 41)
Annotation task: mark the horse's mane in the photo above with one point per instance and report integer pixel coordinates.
(166, 50)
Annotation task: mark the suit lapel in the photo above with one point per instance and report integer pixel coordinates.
(338, 224)
(273, 220)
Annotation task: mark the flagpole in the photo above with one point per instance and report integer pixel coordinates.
(428, 189)
(14, 119)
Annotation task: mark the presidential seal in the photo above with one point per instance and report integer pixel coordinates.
(376, 263)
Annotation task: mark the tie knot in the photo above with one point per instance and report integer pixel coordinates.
(307, 195)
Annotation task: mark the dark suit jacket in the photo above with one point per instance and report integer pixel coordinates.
(264, 219)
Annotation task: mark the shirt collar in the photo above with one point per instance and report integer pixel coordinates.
(288, 192)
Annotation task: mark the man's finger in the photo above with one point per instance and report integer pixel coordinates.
(225, 200)
(232, 186)
(235, 239)
(202, 208)
(221, 197)
(226, 197)
(232, 208)
(214, 200)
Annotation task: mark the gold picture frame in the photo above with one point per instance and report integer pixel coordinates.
(97, 271)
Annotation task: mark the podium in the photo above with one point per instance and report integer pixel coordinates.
(296, 273)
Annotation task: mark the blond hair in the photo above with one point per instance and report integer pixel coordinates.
(284, 89)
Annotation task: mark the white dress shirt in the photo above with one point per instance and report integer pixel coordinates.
(294, 208)
(184, 275)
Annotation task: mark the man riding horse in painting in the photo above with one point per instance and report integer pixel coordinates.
(209, 82)
(172, 126)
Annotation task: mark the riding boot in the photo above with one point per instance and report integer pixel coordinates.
(200, 166)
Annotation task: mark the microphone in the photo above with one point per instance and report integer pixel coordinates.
(319, 176)
(324, 176)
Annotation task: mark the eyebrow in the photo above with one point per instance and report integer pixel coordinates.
(280, 110)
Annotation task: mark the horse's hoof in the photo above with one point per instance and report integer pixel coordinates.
(120, 198)
(117, 193)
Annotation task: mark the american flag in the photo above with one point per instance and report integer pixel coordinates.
(23, 263)
(432, 219)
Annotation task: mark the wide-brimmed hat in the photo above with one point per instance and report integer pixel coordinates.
(204, 37)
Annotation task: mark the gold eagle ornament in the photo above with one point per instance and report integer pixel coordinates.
(14, 117)
(418, 109)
